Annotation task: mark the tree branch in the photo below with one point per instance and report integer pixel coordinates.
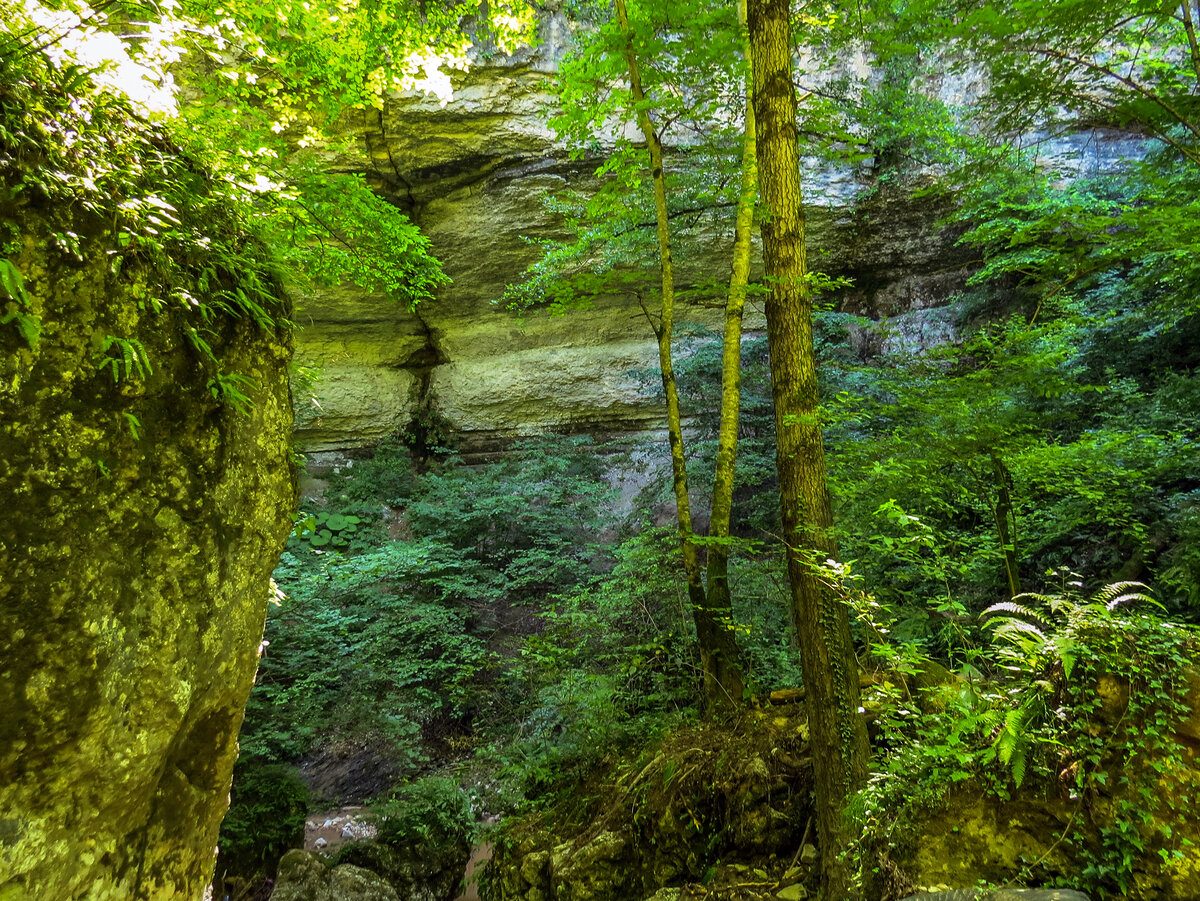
(1189, 26)
(1134, 86)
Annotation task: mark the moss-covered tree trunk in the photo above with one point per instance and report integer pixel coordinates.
(729, 677)
(836, 728)
(718, 649)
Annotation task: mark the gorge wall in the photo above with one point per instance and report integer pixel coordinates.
(471, 173)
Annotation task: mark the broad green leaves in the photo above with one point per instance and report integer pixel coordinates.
(1046, 69)
(262, 83)
(15, 311)
(692, 72)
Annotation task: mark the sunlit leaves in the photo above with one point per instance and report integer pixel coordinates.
(333, 229)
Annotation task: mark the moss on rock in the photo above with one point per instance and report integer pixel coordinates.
(707, 794)
(143, 518)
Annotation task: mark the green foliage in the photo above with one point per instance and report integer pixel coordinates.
(69, 141)
(124, 358)
(231, 388)
(698, 372)
(1126, 65)
(333, 229)
(268, 805)
(325, 528)
(1068, 67)
(606, 666)
(431, 812)
(391, 638)
(90, 121)
(1059, 430)
(928, 452)
(387, 475)
(29, 327)
(532, 518)
(366, 645)
(1080, 696)
(693, 96)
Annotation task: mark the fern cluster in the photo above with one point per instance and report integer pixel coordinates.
(1039, 638)
(1072, 697)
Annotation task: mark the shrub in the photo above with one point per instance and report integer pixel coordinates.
(432, 812)
(268, 805)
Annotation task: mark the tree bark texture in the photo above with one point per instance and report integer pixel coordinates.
(1006, 523)
(837, 730)
(714, 636)
(729, 673)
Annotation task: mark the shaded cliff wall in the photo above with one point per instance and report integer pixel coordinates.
(471, 173)
(143, 519)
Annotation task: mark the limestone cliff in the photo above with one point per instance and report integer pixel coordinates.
(144, 515)
(471, 173)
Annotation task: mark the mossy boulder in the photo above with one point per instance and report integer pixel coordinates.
(667, 817)
(143, 518)
(305, 876)
(1044, 836)
(429, 872)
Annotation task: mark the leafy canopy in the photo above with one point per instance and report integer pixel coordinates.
(249, 91)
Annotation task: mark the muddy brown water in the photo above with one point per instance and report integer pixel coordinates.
(480, 855)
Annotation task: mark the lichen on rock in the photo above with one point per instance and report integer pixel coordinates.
(144, 514)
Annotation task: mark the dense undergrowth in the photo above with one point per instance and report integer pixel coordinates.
(506, 624)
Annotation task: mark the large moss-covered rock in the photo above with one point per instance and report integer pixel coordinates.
(1042, 834)
(305, 876)
(143, 517)
(428, 871)
(706, 795)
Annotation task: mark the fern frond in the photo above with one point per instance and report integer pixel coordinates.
(1011, 608)
(1006, 746)
(1013, 629)
(1034, 596)
(1067, 656)
(1018, 765)
(1015, 719)
(1061, 605)
(1112, 596)
(1127, 598)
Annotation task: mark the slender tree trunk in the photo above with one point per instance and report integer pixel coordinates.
(706, 628)
(729, 679)
(837, 730)
(1006, 523)
(1189, 26)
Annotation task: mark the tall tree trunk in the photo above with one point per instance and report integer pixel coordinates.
(728, 677)
(706, 627)
(837, 730)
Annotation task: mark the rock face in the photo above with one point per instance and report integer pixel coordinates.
(471, 173)
(143, 519)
